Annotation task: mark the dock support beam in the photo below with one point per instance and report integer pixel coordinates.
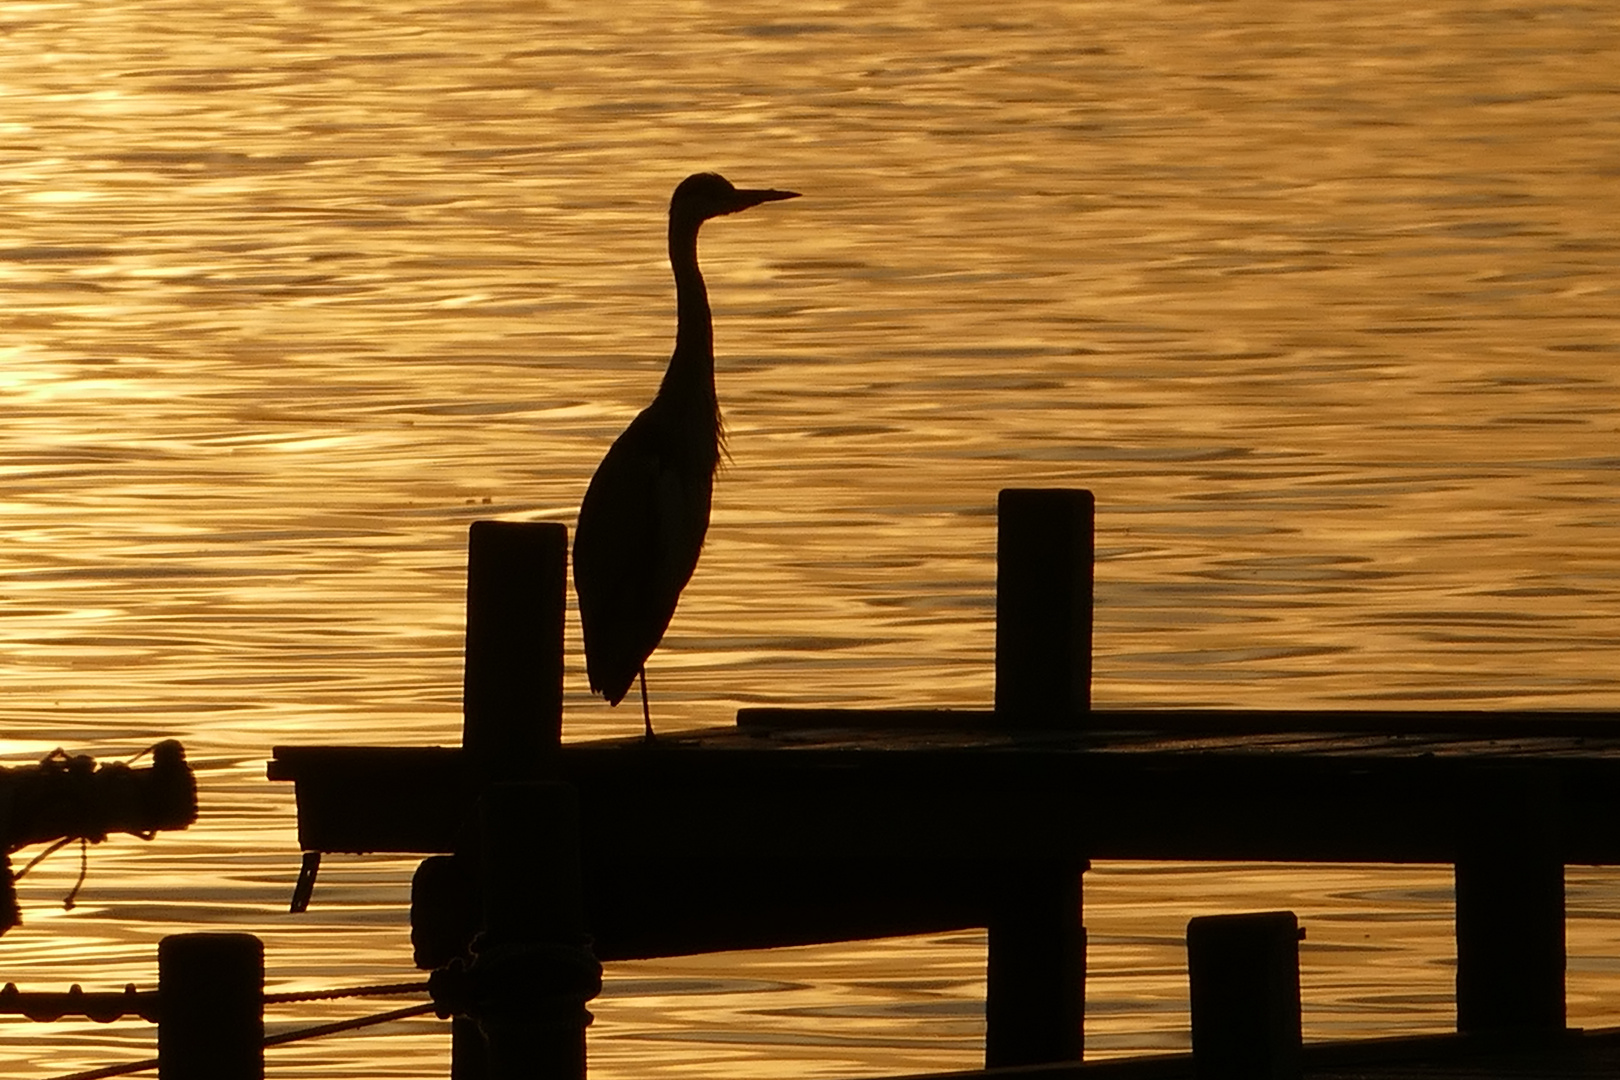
(211, 1020)
(1035, 1000)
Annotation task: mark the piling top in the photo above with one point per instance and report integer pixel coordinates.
(513, 686)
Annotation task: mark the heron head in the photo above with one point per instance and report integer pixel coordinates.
(706, 195)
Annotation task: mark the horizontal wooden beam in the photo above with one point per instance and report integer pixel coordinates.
(377, 798)
(1477, 723)
(1345, 800)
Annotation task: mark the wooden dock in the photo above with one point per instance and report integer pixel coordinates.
(800, 826)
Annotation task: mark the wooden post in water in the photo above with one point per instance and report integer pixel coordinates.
(211, 1018)
(538, 971)
(1510, 944)
(1035, 997)
(517, 582)
(1510, 907)
(1243, 973)
(1044, 555)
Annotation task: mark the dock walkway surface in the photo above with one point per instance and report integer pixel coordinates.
(797, 827)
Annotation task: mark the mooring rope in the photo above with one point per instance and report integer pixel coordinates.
(275, 1040)
(60, 761)
(379, 990)
(112, 1070)
(42, 856)
(348, 1025)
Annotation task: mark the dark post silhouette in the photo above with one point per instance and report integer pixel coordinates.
(1243, 972)
(533, 958)
(1510, 905)
(1044, 556)
(517, 581)
(516, 601)
(1510, 949)
(211, 1021)
(1035, 999)
(1036, 969)
(1510, 945)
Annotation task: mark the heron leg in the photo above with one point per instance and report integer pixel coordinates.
(646, 714)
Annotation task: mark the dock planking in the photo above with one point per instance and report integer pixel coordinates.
(1379, 786)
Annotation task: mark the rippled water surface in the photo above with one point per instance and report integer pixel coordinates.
(1318, 299)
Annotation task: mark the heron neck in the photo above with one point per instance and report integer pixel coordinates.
(693, 362)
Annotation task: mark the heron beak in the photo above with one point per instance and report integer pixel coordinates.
(747, 197)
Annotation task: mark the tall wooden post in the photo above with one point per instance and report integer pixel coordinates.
(517, 582)
(211, 1018)
(1035, 996)
(1510, 906)
(533, 952)
(1044, 555)
(1036, 970)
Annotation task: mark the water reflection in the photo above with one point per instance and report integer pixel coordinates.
(1320, 305)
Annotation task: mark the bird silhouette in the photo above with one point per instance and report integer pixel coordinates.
(646, 511)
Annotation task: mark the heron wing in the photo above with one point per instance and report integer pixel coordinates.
(636, 544)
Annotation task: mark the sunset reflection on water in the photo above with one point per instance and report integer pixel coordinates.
(1318, 302)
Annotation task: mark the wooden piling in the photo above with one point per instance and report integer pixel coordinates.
(516, 601)
(1035, 995)
(536, 960)
(517, 582)
(1510, 903)
(1044, 556)
(211, 1022)
(1036, 969)
(1510, 944)
(1243, 973)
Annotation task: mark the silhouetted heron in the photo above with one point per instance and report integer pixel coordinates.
(646, 511)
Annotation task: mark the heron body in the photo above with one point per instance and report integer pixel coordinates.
(646, 511)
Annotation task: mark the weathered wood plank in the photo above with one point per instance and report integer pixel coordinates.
(1097, 801)
(1482, 723)
(376, 798)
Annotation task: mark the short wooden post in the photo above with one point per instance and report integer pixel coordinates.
(1044, 556)
(211, 1019)
(534, 953)
(517, 579)
(1035, 997)
(1510, 944)
(1243, 972)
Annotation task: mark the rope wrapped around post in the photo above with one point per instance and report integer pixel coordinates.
(69, 797)
(542, 984)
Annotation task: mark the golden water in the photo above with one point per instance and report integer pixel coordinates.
(1318, 298)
